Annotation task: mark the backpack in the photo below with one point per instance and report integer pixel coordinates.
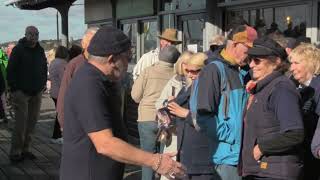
(225, 90)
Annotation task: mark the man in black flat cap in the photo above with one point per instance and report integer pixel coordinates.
(94, 134)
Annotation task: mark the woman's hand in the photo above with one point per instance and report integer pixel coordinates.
(257, 154)
(177, 110)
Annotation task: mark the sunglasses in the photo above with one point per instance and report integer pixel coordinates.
(193, 71)
(257, 61)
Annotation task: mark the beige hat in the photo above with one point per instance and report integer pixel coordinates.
(170, 35)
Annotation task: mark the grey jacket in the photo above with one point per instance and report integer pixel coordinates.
(56, 70)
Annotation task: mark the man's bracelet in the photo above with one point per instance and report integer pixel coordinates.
(158, 163)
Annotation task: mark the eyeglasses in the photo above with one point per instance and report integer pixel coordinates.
(245, 45)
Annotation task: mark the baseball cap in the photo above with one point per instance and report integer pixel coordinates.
(243, 34)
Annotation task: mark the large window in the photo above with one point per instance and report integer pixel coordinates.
(168, 5)
(148, 36)
(294, 16)
(130, 29)
(192, 31)
(167, 21)
(131, 8)
(289, 20)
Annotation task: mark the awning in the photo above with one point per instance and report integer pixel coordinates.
(37, 4)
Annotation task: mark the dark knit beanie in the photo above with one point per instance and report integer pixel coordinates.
(108, 40)
(169, 54)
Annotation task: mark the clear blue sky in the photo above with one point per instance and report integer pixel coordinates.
(14, 21)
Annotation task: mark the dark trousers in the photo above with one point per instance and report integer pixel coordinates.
(26, 112)
(148, 133)
(57, 129)
(199, 177)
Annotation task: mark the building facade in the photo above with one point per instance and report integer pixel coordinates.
(197, 21)
(143, 20)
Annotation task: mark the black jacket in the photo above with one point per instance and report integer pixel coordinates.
(27, 68)
(193, 146)
(273, 117)
(311, 110)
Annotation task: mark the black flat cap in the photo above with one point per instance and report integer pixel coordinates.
(109, 40)
(265, 46)
(169, 54)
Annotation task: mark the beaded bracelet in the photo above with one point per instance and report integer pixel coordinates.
(158, 163)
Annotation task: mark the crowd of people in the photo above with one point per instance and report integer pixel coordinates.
(248, 108)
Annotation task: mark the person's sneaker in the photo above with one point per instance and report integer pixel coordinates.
(29, 155)
(16, 158)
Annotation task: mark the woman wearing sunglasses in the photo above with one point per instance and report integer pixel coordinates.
(272, 127)
(193, 149)
(179, 82)
(305, 68)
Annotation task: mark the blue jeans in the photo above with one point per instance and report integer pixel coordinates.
(226, 172)
(148, 132)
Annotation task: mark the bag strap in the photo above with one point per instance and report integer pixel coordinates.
(224, 88)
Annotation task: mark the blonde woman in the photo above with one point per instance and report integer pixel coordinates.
(177, 82)
(193, 147)
(305, 68)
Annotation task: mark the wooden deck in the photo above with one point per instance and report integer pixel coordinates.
(46, 166)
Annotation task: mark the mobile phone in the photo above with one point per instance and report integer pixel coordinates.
(173, 91)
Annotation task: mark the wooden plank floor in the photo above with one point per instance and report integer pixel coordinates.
(46, 166)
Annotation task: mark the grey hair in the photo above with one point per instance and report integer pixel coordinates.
(98, 59)
(102, 59)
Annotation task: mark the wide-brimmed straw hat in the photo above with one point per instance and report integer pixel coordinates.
(170, 35)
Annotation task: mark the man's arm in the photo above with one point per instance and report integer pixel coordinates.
(206, 93)
(66, 78)
(44, 69)
(138, 67)
(117, 149)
